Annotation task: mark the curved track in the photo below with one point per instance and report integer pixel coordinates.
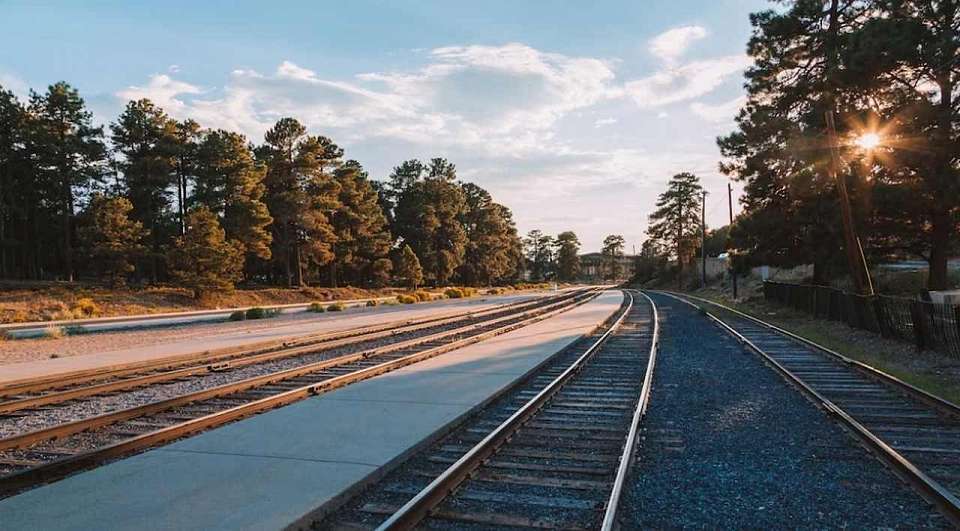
(30, 458)
(559, 460)
(916, 434)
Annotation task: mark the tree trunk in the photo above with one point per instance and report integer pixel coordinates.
(297, 265)
(333, 273)
(67, 230)
(939, 247)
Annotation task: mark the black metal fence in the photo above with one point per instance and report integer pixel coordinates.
(928, 325)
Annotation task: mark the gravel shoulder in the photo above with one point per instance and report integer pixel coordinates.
(729, 444)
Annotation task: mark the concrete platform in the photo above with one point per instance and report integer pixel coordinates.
(318, 324)
(269, 471)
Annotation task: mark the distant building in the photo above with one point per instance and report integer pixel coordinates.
(593, 268)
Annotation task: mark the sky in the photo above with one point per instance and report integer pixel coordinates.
(573, 114)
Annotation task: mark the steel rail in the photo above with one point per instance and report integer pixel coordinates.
(70, 428)
(629, 449)
(420, 506)
(210, 364)
(65, 465)
(945, 406)
(929, 488)
(45, 382)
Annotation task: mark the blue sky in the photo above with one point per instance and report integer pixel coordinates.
(572, 114)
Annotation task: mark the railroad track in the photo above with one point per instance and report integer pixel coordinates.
(31, 458)
(915, 433)
(554, 452)
(23, 394)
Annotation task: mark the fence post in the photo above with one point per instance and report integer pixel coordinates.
(916, 314)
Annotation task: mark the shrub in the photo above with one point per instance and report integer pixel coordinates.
(54, 332)
(422, 296)
(262, 313)
(390, 302)
(407, 299)
(4, 335)
(85, 307)
(454, 293)
(316, 307)
(336, 307)
(372, 302)
(238, 315)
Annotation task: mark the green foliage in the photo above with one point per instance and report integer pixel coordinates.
(300, 193)
(229, 181)
(422, 296)
(492, 241)
(674, 227)
(372, 303)
(407, 299)
(567, 253)
(428, 219)
(316, 307)
(261, 313)
(336, 307)
(203, 259)
(362, 236)
(612, 252)
(238, 315)
(408, 269)
(539, 253)
(460, 293)
(111, 238)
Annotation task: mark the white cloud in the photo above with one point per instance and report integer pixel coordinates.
(604, 121)
(672, 44)
(685, 82)
(173, 69)
(721, 113)
(14, 84)
(162, 90)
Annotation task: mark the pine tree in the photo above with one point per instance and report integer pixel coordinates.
(491, 236)
(428, 215)
(186, 144)
(361, 230)
(675, 225)
(612, 252)
(539, 253)
(111, 238)
(568, 258)
(18, 192)
(203, 259)
(229, 181)
(301, 193)
(407, 268)
(144, 136)
(68, 155)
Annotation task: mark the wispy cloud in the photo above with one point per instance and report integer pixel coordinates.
(721, 113)
(685, 82)
(601, 122)
(672, 44)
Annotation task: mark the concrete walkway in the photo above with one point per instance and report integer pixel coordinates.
(269, 471)
(238, 337)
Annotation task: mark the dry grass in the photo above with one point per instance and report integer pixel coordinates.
(934, 372)
(49, 301)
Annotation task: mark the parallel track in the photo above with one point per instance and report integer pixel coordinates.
(916, 434)
(40, 391)
(561, 458)
(44, 455)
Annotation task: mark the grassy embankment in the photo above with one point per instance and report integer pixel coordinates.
(50, 301)
(934, 372)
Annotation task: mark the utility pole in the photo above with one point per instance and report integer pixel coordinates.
(703, 240)
(855, 257)
(733, 272)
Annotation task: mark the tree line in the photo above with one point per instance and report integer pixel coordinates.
(887, 72)
(152, 199)
(885, 68)
(558, 258)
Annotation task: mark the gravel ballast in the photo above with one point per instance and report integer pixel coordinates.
(729, 444)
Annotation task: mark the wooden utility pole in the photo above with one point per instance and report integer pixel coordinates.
(703, 240)
(733, 272)
(856, 260)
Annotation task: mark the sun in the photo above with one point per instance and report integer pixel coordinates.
(868, 141)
